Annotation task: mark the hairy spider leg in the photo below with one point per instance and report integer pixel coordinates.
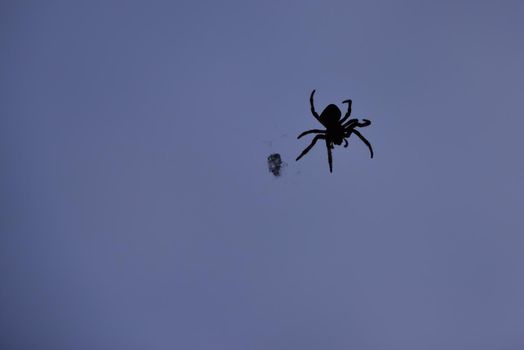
(348, 113)
(364, 140)
(315, 139)
(312, 131)
(330, 159)
(345, 143)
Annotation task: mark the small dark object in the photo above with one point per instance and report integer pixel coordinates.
(274, 163)
(337, 130)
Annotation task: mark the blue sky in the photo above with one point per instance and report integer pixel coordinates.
(137, 210)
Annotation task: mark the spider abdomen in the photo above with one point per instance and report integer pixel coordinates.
(330, 116)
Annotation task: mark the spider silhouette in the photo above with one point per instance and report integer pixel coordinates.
(337, 130)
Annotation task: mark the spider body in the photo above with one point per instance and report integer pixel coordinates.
(337, 130)
(330, 119)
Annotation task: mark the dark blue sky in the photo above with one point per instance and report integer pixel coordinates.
(137, 211)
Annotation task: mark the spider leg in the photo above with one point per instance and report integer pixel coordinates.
(312, 131)
(364, 140)
(345, 143)
(315, 114)
(348, 113)
(350, 123)
(330, 158)
(315, 139)
(353, 123)
(364, 123)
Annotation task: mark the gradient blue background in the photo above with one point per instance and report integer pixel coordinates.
(137, 211)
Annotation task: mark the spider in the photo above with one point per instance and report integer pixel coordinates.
(337, 130)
